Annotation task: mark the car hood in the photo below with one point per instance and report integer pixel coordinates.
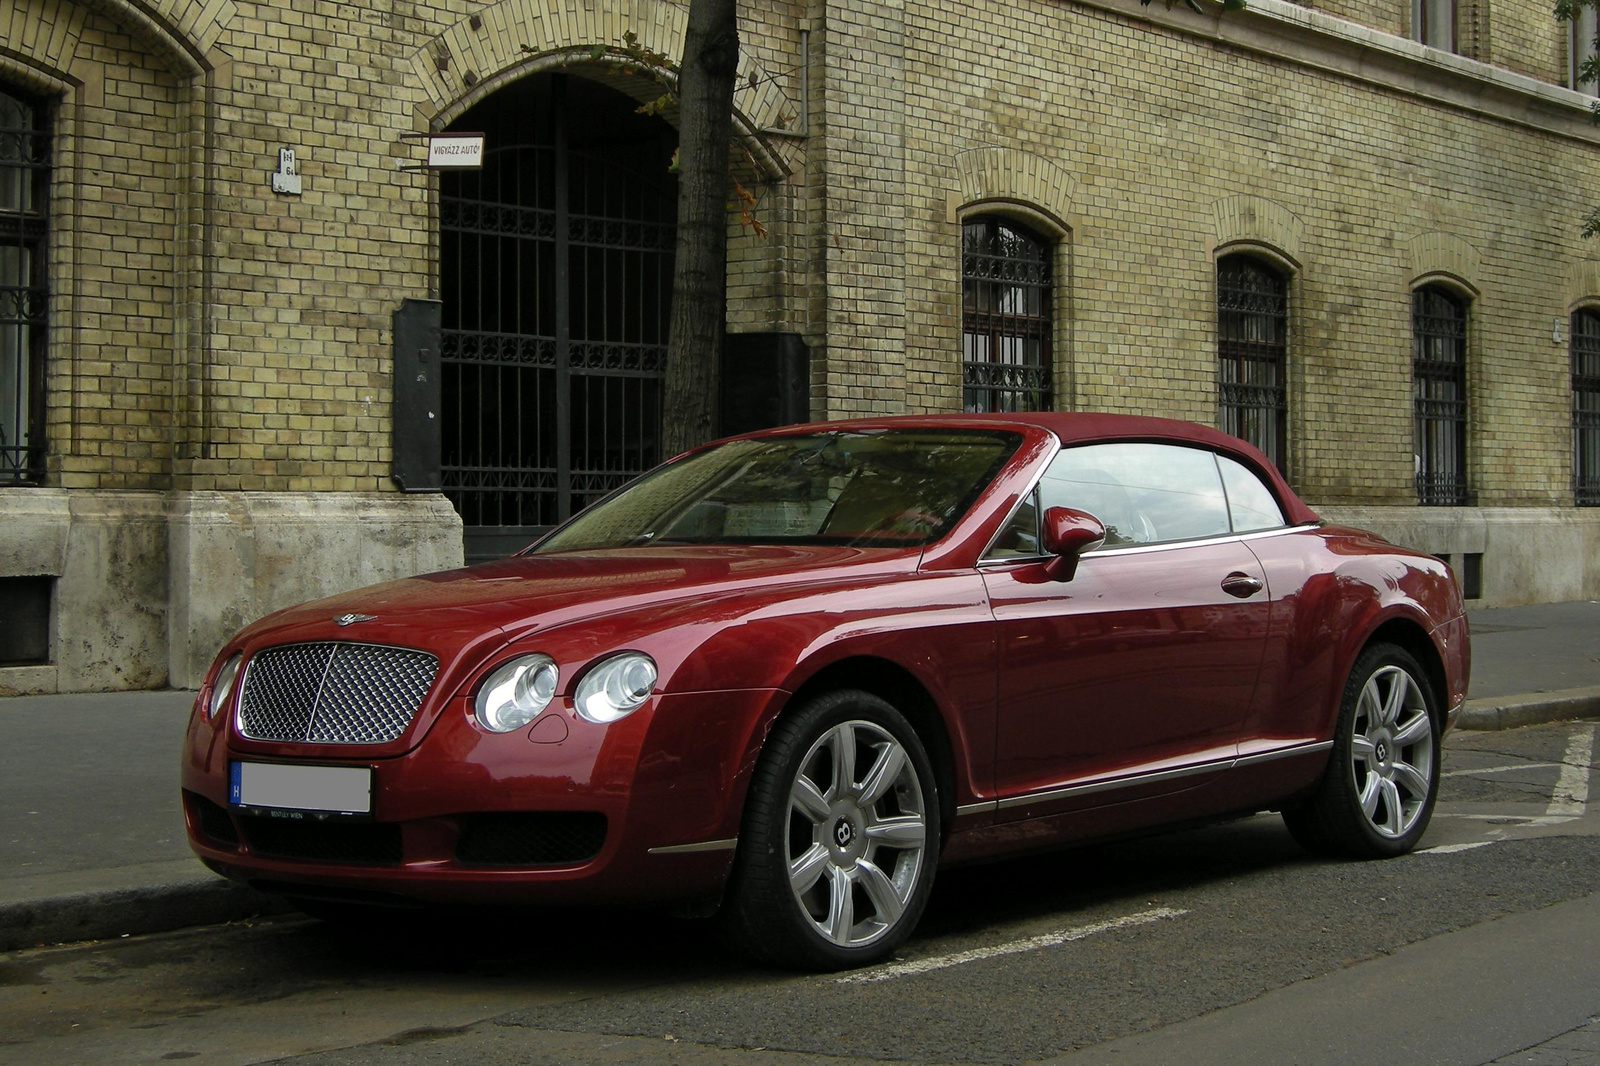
(511, 597)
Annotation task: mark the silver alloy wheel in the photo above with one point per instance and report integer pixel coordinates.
(1391, 751)
(857, 831)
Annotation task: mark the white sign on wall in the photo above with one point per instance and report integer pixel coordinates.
(455, 151)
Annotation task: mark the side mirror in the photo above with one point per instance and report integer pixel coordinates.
(1068, 533)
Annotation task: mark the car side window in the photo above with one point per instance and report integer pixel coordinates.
(1143, 493)
(1251, 503)
(1020, 537)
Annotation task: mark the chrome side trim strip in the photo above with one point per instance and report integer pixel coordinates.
(1118, 782)
(986, 807)
(689, 849)
(1283, 753)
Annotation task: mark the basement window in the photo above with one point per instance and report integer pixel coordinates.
(25, 620)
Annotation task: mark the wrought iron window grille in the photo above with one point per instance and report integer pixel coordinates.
(24, 286)
(556, 275)
(1439, 375)
(1006, 291)
(1586, 408)
(1252, 354)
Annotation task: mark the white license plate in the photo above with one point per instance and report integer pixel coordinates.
(284, 786)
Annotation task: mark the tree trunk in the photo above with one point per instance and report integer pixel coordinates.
(699, 273)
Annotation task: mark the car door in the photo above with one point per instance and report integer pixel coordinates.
(1133, 678)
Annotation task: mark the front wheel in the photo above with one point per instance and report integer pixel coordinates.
(1378, 792)
(840, 837)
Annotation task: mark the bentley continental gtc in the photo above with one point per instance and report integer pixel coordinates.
(785, 677)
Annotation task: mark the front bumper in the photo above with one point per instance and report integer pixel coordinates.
(644, 810)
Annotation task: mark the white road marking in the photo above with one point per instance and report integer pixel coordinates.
(1571, 795)
(1015, 947)
(1509, 819)
(1451, 849)
(1504, 769)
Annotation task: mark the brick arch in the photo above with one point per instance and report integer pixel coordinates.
(181, 32)
(1254, 221)
(1583, 285)
(1444, 256)
(514, 38)
(1009, 175)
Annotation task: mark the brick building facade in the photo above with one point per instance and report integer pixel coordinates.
(1297, 222)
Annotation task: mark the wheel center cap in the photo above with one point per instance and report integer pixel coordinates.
(1382, 751)
(844, 834)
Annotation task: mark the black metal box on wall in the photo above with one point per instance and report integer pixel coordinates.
(766, 382)
(416, 433)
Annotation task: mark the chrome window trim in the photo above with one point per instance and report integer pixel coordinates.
(985, 560)
(1166, 545)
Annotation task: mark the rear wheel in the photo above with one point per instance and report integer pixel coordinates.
(1378, 792)
(840, 837)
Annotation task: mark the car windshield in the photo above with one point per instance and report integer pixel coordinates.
(885, 488)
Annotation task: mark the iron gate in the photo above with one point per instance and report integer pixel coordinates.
(556, 277)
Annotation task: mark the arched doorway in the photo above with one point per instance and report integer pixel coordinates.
(555, 281)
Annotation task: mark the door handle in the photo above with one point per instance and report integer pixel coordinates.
(1241, 585)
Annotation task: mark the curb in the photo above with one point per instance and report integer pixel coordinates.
(1511, 712)
(108, 915)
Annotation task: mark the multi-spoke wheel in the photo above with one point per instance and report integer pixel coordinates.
(1377, 794)
(841, 835)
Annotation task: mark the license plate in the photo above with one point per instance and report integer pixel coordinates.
(272, 786)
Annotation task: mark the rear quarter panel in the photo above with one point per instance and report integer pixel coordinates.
(1332, 590)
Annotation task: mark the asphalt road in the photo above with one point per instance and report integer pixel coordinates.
(1225, 944)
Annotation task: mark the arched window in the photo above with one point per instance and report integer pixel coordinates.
(1586, 408)
(24, 173)
(1005, 316)
(1439, 373)
(1252, 353)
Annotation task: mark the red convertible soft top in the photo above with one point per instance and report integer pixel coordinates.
(1085, 427)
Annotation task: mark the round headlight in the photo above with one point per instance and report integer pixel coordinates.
(222, 687)
(516, 692)
(615, 688)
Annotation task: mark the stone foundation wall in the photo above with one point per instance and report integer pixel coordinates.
(148, 585)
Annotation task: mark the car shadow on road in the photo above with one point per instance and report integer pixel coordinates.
(582, 942)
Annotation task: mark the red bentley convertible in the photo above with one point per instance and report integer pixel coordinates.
(787, 675)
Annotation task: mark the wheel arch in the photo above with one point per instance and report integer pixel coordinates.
(896, 685)
(1407, 634)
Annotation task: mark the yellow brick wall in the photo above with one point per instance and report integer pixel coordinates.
(1519, 35)
(108, 381)
(1156, 127)
(305, 285)
(261, 358)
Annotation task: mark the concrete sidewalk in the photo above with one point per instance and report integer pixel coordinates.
(92, 843)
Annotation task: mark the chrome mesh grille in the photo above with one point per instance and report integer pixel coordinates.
(333, 693)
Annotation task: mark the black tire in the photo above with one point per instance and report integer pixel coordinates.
(1377, 794)
(869, 849)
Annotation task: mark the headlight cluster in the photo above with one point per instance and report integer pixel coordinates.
(518, 691)
(222, 687)
(615, 688)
